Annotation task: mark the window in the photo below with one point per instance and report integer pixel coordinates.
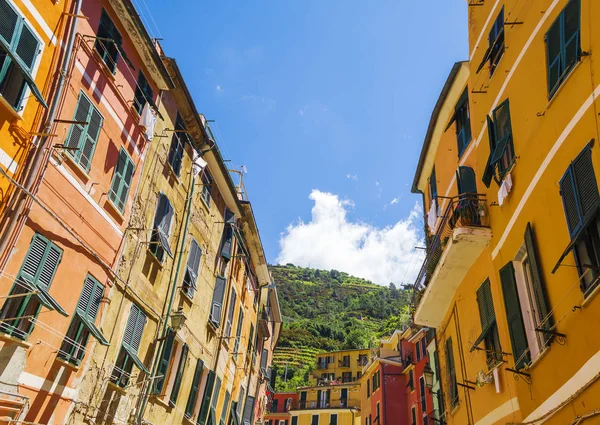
(451, 374)
(207, 184)
(433, 191)
(368, 388)
(240, 402)
(227, 240)
(230, 313)
(465, 179)
(20, 49)
(214, 401)
(179, 375)
(119, 188)
(192, 268)
(411, 381)
(177, 148)
(489, 327)
(129, 348)
(83, 323)
(378, 412)
(164, 363)
(208, 390)
(413, 415)
(143, 94)
(346, 361)
(249, 411)
(84, 133)
(159, 241)
(323, 398)
(225, 408)
(108, 42)
(422, 395)
(333, 419)
(579, 191)
(36, 275)
(495, 44)
(238, 332)
(217, 302)
(274, 406)
(264, 360)
(418, 350)
(563, 46)
(501, 144)
(346, 376)
(532, 297)
(424, 347)
(358, 375)
(191, 403)
(314, 420)
(294, 420)
(425, 419)
(462, 119)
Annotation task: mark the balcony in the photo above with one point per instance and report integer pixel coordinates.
(326, 404)
(362, 361)
(263, 324)
(462, 234)
(344, 363)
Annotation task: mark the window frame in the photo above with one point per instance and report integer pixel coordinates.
(122, 189)
(159, 238)
(501, 159)
(76, 152)
(100, 45)
(143, 93)
(128, 353)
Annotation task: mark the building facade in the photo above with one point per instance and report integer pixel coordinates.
(134, 283)
(512, 218)
(278, 410)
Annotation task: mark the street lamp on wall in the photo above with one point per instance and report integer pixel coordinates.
(177, 319)
(428, 374)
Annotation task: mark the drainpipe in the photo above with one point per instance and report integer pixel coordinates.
(163, 333)
(43, 141)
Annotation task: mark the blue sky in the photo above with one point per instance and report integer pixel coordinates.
(320, 97)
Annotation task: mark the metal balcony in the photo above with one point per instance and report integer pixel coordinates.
(461, 235)
(326, 404)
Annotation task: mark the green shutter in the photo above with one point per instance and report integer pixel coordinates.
(27, 47)
(539, 290)
(451, 372)
(553, 56)
(121, 180)
(217, 301)
(248, 417)
(568, 193)
(208, 389)
(502, 130)
(8, 21)
(225, 408)
(467, 180)
(83, 137)
(134, 328)
(516, 328)
(179, 375)
(238, 332)
(191, 403)
(163, 365)
(489, 167)
(585, 183)
(486, 305)
(41, 262)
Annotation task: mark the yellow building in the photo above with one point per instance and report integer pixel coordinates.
(193, 319)
(508, 173)
(334, 397)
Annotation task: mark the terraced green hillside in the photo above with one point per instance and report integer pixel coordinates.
(327, 310)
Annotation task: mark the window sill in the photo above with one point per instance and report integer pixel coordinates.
(562, 84)
(185, 295)
(154, 258)
(159, 399)
(206, 205)
(67, 364)
(7, 338)
(108, 72)
(114, 211)
(591, 294)
(116, 387)
(73, 165)
(538, 358)
(187, 420)
(8, 107)
(173, 173)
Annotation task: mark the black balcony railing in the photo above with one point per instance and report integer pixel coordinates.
(466, 210)
(325, 404)
(362, 361)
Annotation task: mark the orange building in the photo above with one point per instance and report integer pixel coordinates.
(62, 242)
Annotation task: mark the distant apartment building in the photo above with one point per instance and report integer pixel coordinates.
(508, 174)
(278, 410)
(134, 282)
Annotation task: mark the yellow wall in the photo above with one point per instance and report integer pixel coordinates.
(344, 417)
(336, 367)
(547, 136)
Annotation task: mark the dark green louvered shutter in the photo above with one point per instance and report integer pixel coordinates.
(486, 306)
(451, 372)
(571, 29)
(82, 112)
(539, 289)
(514, 317)
(41, 262)
(553, 53)
(227, 245)
(488, 173)
(179, 375)
(163, 363)
(192, 267)
(27, 47)
(91, 295)
(134, 328)
(294, 420)
(230, 313)
(8, 21)
(89, 142)
(217, 301)
(121, 180)
(569, 198)
(225, 408)
(248, 416)
(208, 390)
(585, 182)
(238, 332)
(319, 394)
(215, 400)
(502, 130)
(191, 403)
(467, 180)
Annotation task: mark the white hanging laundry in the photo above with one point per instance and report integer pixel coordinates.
(199, 164)
(432, 216)
(505, 188)
(148, 121)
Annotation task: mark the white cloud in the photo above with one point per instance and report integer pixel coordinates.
(394, 201)
(352, 177)
(331, 241)
(302, 111)
(376, 183)
(218, 87)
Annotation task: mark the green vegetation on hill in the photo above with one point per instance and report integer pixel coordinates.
(327, 311)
